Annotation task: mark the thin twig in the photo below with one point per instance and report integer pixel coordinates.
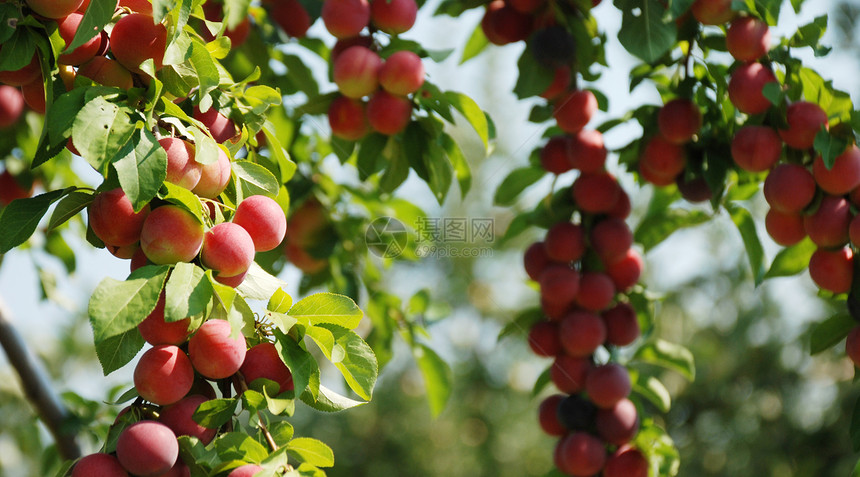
(37, 387)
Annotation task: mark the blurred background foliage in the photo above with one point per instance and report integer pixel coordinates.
(760, 406)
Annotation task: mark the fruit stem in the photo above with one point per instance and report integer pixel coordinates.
(243, 386)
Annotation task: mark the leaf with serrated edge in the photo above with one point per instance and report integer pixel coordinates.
(118, 306)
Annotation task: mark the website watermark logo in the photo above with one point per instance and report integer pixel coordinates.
(437, 237)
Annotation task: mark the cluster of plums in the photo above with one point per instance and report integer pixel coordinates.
(510, 21)
(359, 72)
(171, 377)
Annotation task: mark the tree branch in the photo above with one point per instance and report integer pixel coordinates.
(37, 387)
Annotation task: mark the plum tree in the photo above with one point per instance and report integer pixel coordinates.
(171, 234)
(214, 177)
(626, 461)
(559, 285)
(608, 384)
(402, 73)
(247, 470)
(832, 270)
(555, 156)
(535, 260)
(220, 126)
(548, 415)
(679, 120)
(804, 120)
(746, 85)
(756, 148)
(290, 15)
(107, 72)
(622, 325)
(345, 18)
(11, 105)
(263, 361)
(182, 169)
(393, 16)
(113, 219)
(596, 192)
(214, 351)
(569, 374)
(264, 220)
(712, 12)
(586, 151)
(99, 464)
(136, 38)
(828, 226)
(581, 333)
(163, 375)
(54, 8)
(227, 249)
(356, 71)
(574, 110)
(662, 161)
(147, 448)
(68, 26)
(565, 242)
(544, 339)
(611, 238)
(388, 114)
(178, 417)
(789, 188)
(156, 331)
(618, 424)
(786, 228)
(347, 118)
(626, 272)
(596, 291)
(748, 39)
(843, 177)
(502, 24)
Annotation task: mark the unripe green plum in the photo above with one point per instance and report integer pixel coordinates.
(608, 384)
(291, 16)
(163, 375)
(843, 177)
(170, 235)
(264, 220)
(580, 454)
(214, 177)
(178, 417)
(402, 73)
(746, 85)
(581, 333)
(388, 114)
(182, 169)
(393, 16)
(356, 71)
(67, 27)
(102, 465)
(54, 8)
(147, 448)
(756, 148)
(107, 72)
(832, 270)
(227, 249)
(214, 352)
(263, 361)
(347, 118)
(113, 219)
(679, 120)
(748, 39)
(136, 38)
(156, 331)
(574, 110)
(11, 105)
(345, 18)
(221, 127)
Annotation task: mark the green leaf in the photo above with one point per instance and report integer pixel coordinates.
(214, 413)
(117, 351)
(830, 332)
(302, 365)
(184, 198)
(118, 306)
(358, 367)
(259, 284)
(69, 207)
(286, 166)
(187, 292)
(458, 162)
(280, 302)
(522, 323)
(255, 179)
(668, 355)
(96, 17)
(141, 167)
(855, 427)
(534, 77)
(19, 219)
(329, 401)
(472, 112)
(201, 60)
(477, 43)
(17, 51)
(328, 308)
(829, 147)
(515, 183)
(239, 446)
(755, 252)
(542, 382)
(646, 36)
(658, 227)
(654, 391)
(792, 260)
(438, 377)
(311, 451)
(100, 131)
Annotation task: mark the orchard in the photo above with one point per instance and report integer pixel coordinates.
(264, 193)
